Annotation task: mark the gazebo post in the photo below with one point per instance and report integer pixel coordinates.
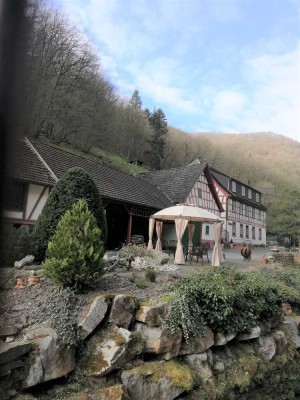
(129, 227)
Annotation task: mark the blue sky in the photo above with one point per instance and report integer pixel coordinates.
(211, 65)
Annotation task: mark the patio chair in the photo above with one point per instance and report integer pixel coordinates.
(192, 251)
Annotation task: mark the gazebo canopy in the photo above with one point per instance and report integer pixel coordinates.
(190, 212)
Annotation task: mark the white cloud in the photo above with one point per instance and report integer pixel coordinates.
(270, 100)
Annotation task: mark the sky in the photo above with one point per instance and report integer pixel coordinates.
(210, 65)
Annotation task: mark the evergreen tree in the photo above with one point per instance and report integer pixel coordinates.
(75, 253)
(136, 101)
(158, 123)
(75, 184)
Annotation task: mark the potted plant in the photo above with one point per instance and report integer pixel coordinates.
(231, 244)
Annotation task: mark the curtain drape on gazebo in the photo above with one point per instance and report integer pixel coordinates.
(159, 226)
(180, 225)
(217, 254)
(191, 229)
(151, 228)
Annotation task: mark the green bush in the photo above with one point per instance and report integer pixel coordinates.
(16, 243)
(226, 300)
(75, 254)
(151, 274)
(75, 184)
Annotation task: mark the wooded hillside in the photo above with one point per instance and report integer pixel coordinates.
(68, 100)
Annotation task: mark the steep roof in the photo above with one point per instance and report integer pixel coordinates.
(175, 182)
(178, 182)
(28, 167)
(112, 183)
(224, 180)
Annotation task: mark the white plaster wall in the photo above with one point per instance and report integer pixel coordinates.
(13, 214)
(34, 191)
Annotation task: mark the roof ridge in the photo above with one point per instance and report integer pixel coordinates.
(33, 149)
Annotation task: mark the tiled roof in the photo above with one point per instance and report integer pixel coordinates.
(176, 182)
(224, 181)
(112, 183)
(27, 167)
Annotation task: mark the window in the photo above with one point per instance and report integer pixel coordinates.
(243, 209)
(253, 212)
(259, 233)
(247, 231)
(249, 194)
(243, 191)
(233, 205)
(259, 214)
(207, 230)
(233, 185)
(241, 230)
(253, 232)
(257, 197)
(234, 229)
(200, 193)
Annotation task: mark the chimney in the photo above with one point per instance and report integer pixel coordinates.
(249, 182)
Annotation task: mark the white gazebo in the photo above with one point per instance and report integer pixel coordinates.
(182, 214)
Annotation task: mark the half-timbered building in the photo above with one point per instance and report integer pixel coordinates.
(130, 200)
(244, 215)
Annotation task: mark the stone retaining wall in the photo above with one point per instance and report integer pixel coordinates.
(119, 336)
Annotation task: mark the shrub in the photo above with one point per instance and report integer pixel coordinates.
(132, 251)
(151, 274)
(16, 243)
(73, 185)
(75, 254)
(226, 300)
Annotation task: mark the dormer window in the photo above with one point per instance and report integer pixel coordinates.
(243, 191)
(257, 197)
(233, 185)
(249, 194)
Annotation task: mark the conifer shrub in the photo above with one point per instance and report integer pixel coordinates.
(75, 184)
(75, 253)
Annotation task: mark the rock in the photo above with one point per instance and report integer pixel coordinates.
(160, 341)
(198, 344)
(221, 339)
(117, 392)
(94, 316)
(6, 368)
(280, 341)
(122, 310)
(8, 330)
(199, 364)
(266, 347)
(111, 349)
(12, 351)
(49, 359)
(26, 260)
(219, 367)
(290, 328)
(33, 267)
(152, 315)
(252, 334)
(157, 380)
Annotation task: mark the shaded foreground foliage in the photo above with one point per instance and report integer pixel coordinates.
(227, 300)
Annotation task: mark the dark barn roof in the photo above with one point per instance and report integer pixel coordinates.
(28, 167)
(112, 183)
